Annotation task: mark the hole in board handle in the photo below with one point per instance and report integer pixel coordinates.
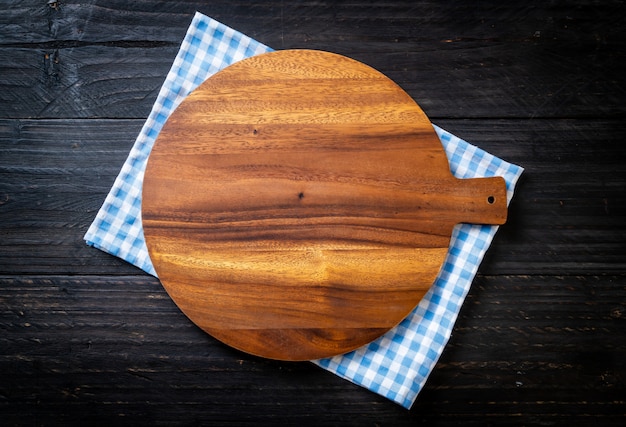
(491, 200)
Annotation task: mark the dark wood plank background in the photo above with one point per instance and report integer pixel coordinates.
(87, 339)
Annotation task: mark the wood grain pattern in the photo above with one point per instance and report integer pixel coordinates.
(82, 59)
(299, 204)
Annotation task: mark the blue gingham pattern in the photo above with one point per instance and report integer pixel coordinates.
(207, 47)
(397, 364)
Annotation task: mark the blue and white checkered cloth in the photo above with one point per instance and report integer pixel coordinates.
(396, 365)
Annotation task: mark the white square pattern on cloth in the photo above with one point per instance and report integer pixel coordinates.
(397, 364)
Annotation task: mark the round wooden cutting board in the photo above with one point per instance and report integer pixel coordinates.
(299, 204)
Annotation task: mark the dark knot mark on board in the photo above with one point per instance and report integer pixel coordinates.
(300, 195)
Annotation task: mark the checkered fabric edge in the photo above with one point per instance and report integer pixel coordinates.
(396, 365)
(207, 47)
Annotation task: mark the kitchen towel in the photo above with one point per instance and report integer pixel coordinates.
(396, 365)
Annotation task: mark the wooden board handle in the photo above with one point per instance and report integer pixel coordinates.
(481, 200)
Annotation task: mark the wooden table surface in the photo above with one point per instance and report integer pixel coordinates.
(87, 339)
